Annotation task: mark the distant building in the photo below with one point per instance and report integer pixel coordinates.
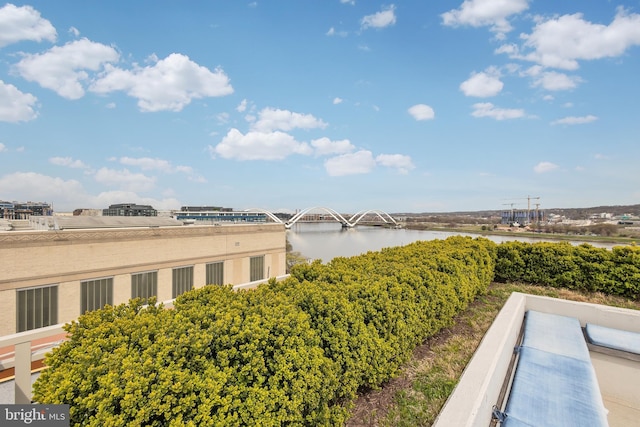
(129, 209)
(213, 217)
(522, 216)
(23, 210)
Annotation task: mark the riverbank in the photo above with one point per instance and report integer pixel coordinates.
(524, 234)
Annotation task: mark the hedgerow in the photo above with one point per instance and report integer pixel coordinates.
(289, 353)
(583, 267)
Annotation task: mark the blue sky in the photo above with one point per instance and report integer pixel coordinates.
(410, 106)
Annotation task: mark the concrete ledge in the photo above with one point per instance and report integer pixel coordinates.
(479, 387)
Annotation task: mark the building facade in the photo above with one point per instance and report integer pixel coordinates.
(51, 277)
(129, 209)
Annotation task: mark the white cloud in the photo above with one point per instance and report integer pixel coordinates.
(2, 147)
(258, 145)
(337, 100)
(124, 179)
(68, 162)
(398, 161)
(581, 40)
(543, 167)
(422, 112)
(324, 146)
(62, 68)
(382, 19)
(16, 106)
(333, 32)
(168, 85)
(148, 163)
(74, 31)
(270, 119)
(38, 187)
(242, 106)
(480, 13)
(351, 2)
(487, 109)
(359, 162)
(575, 120)
(554, 81)
(600, 156)
(482, 85)
(23, 23)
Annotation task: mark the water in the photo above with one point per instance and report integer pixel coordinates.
(325, 241)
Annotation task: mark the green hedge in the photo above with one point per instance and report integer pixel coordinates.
(289, 353)
(583, 267)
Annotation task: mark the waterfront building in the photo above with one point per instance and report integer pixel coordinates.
(52, 275)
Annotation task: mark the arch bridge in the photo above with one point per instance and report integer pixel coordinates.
(347, 223)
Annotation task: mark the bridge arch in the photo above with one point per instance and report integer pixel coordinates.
(357, 217)
(330, 211)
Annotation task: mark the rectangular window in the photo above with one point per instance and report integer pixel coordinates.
(215, 273)
(144, 285)
(256, 267)
(182, 280)
(95, 294)
(36, 308)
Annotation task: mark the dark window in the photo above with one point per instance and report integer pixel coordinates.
(215, 273)
(182, 280)
(36, 308)
(95, 294)
(256, 266)
(144, 285)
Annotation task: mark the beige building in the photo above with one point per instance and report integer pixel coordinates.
(51, 277)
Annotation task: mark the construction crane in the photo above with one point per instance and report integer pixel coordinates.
(529, 199)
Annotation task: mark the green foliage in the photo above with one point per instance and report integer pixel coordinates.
(583, 267)
(289, 353)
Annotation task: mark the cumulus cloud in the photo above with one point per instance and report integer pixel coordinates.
(554, 81)
(544, 167)
(16, 106)
(481, 13)
(581, 40)
(155, 164)
(35, 186)
(482, 85)
(63, 68)
(575, 120)
(356, 163)
(256, 145)
(2, 147)
(168, 85)
(337, 100)
(270, 119)
(487, 109)
(24, 23)
(324, 146)
(382, 19)
(68, 162)
(124, 179)
(398, 161)
(422, 112)
(242, 106)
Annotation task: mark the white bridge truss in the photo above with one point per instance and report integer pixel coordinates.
(351, 222)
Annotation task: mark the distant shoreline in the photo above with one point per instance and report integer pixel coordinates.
(528, 234)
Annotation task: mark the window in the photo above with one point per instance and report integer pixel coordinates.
(215, 273)
(36, 308)
(182, 280)
(95, 294)
(256, 267)
(144, 285)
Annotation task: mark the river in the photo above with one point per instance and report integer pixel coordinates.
(325, 241)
